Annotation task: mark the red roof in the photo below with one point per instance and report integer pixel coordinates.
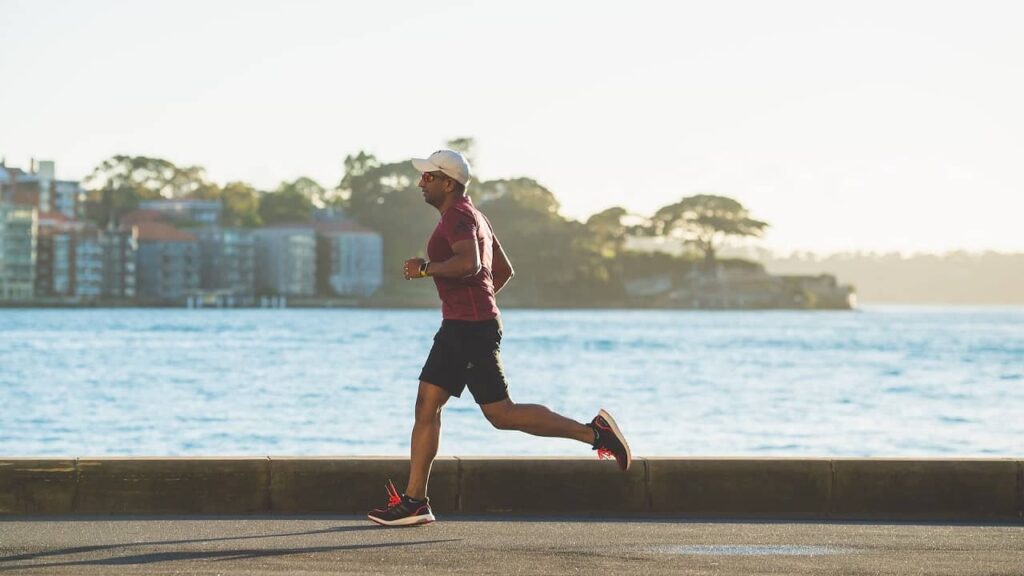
(160, 232)
(56, 222)
(137, 216)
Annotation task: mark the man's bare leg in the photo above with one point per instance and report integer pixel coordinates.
(426, 436)
(535, 419)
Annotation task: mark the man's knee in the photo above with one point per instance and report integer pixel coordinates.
(500, 415)
(428, 407)
(427, 412)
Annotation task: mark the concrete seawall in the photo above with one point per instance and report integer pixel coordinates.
(976, 490)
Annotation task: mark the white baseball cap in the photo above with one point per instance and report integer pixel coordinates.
(452, 163)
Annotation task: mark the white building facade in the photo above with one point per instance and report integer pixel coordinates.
(286, 261)
(355, 261)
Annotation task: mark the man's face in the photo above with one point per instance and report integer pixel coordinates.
(434, 186)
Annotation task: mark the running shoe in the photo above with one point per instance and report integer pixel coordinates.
(610, 442)
(402, 510)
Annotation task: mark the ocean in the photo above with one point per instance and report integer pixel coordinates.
(880, 381)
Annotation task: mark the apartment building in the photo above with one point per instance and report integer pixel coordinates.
(40, 188)
(18, 234)
(286, 260)
(227, 261)
(167, 263)
(349, 259)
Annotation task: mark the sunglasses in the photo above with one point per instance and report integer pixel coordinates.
(429, 177)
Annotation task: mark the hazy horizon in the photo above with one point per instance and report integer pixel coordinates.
(876, 127)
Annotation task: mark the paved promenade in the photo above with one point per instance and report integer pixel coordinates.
(465, 545)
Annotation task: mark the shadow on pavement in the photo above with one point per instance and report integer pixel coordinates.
(217, 555)
(245, 554)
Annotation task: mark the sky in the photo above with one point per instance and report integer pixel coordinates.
(870, 126)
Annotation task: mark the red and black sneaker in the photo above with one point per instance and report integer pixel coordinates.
(609, 441)
(402, 510)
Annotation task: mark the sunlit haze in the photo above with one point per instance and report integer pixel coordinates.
(847, 126)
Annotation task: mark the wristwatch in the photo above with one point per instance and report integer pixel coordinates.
(423, 269)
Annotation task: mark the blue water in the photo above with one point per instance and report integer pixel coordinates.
(878, 382)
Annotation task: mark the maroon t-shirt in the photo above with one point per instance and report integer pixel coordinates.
(472, 297)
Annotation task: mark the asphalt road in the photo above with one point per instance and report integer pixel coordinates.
(347, 545)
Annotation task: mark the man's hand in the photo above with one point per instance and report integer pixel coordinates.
(411, 270)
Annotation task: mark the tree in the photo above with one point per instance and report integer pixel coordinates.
(287, 204)
(377, 185)
(555, 258)
(524, 193)
(146, 176)
(706, 221)
(608, 231)
(119, 183)
(307, 188)
(190, 182)
(241, 205)
(356, 165)
(150, 177)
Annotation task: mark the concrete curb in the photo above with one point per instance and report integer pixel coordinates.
(970, 490)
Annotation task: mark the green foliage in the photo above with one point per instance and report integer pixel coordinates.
(190, 182)
(522, 193)
(307, 188)
(291, 202)
(385, 198)
(556, 261)
(147, 177)
(705, 221)
(356, 165)
(287, 205)
(607, 231)
(119, 183)
(241, 205)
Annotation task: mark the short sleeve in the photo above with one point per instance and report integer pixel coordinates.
(459, 226)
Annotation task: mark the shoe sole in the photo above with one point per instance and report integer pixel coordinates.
(408, 521)
(618, 434)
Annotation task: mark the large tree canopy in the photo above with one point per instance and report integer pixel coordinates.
(287, 204)
(706, 220)
(306, 187)
(355, 166)
(241, 205)
(524, 193)
(607, 231)
(119, 183)
(555, 260)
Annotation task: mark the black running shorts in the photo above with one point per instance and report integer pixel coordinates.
(466, 353)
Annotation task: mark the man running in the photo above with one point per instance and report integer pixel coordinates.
(469, 268)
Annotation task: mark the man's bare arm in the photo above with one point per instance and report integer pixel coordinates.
(464, 262)
(502, 269)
